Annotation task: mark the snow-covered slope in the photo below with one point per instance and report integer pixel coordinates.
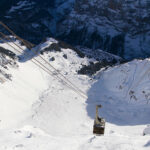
(124, 92)
(37, 111)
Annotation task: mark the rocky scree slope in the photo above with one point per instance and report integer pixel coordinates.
(34, 20)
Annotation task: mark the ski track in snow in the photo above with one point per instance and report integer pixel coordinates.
(132, 81)
(41, 113)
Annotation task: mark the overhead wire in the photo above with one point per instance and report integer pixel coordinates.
(41, 65)
(7, 28)
(20, 52)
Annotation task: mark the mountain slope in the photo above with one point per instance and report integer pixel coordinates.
(39, 112)
(34, 20)
(116, 26)
(119, 27)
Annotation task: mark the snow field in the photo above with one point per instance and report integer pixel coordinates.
(38, 112)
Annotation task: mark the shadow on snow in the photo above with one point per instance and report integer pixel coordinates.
(119, 112)
(27, 55)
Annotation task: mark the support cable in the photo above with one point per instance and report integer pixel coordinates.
(41, 66)
(7, 28)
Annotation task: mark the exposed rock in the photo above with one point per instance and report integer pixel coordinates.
(92, 68)
(116, 26)
(119, 27)
(52, 47)
(7, 52)
(7, 60)
(65, 56)
(65, 45)
(52, 59)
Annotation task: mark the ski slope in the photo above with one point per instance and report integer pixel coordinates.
(39, 112)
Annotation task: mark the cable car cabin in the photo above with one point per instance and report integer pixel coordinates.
(99, 123)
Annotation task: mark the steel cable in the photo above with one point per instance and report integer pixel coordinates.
(7, 28)
(41, 65)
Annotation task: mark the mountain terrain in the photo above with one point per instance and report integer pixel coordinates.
(115, 26)
(85, 53)
(40, 109)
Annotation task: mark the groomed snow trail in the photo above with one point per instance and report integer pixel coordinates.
(38, 112)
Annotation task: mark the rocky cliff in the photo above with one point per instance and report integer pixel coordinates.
(116, 26)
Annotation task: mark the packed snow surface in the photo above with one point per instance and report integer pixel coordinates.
(39, 112)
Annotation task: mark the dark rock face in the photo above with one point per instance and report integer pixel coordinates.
(116, 26)
(121, 27)
(103, 60)
(33, 19)
(29, 19)
(7, 53)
